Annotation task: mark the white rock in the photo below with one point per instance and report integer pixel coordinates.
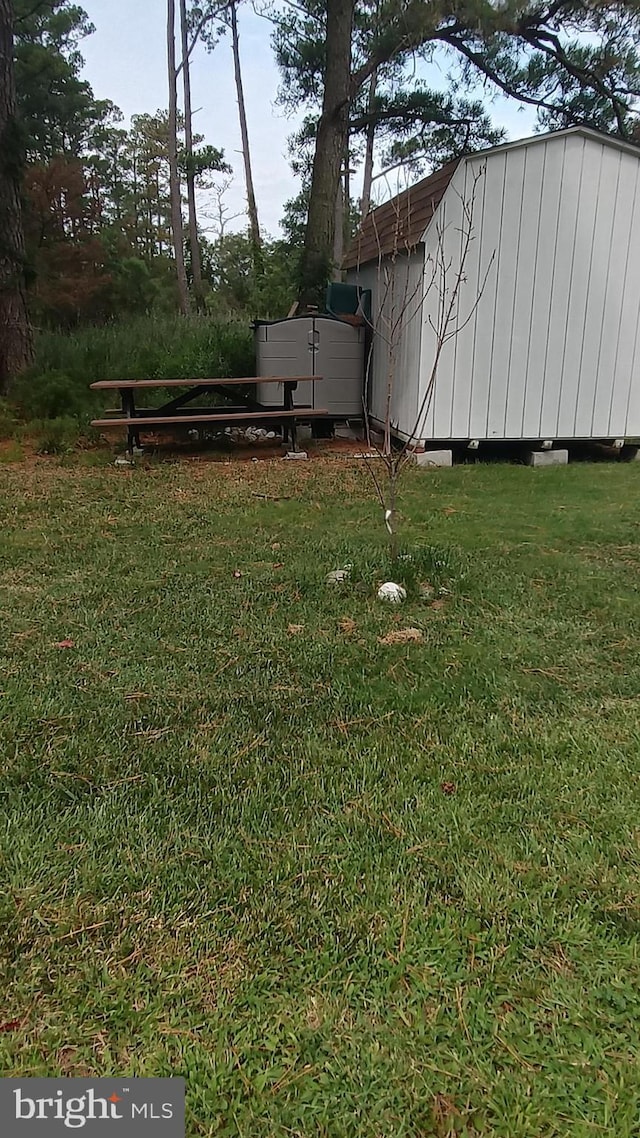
(392, 593)
(338, 576)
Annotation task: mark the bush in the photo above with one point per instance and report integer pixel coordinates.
(50, 395)
(7, 421)
(142, 348)
(56, 436)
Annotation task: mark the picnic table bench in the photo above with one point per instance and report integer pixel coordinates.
(246, 410)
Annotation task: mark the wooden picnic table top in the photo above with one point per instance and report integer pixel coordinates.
(136, 384)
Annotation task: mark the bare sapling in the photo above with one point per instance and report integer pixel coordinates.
(402, 298)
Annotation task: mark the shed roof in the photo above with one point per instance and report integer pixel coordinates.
(402, 222)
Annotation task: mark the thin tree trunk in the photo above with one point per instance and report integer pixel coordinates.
(174, 173)
(346, 213)
(136, 210)
(194, 241)
(16, 336)
(252, 209)
(365, 201)
(331, 142)
(338, 235)
(159, 217)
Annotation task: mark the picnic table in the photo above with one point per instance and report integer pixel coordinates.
(242, 410)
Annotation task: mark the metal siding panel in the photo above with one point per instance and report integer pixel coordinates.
(408, 376)
(507, 275)
(524, 290)
(598, 287)
(615, 409)
(604, 395)
(473, 193)
(627, 368)
(396, 332)
(549, 217)
(561, 286)
(429, 313)
(397, 325)
(632, 417)
(491, 232)
(582, 261)
(448, 222)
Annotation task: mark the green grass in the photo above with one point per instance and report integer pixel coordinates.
(226, 848)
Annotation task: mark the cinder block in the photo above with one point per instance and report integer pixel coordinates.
(433, 457)
(344, 431)
(547, 457)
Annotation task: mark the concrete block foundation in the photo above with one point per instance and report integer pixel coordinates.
(547, 457)
(432, 457)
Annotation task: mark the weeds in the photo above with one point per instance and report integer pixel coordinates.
(145, 348)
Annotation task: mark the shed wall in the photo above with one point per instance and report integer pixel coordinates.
(397, 297)
(551, 347)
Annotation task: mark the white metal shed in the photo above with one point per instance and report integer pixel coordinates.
(551, 349)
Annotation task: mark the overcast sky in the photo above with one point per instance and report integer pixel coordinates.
(125, 62)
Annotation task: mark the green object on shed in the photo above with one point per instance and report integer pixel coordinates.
(348, 300)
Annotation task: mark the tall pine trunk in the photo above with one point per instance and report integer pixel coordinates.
(174, 173)
(194, 240)
(331, 145)
(252, 209)
(16, 337)
(365, 201)
(338, 236)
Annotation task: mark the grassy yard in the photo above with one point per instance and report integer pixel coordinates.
(345, 887)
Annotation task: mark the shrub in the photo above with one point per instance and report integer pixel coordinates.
(56, 436)
(7, 421)
(50, 395)
(141, 348)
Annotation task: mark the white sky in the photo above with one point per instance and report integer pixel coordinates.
(125, 61)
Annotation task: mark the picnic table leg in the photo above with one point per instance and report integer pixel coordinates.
(290, 428)
(129, 408)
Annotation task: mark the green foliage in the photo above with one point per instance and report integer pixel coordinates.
(97, 209)
(58, 108)
(142, 348)
(7, 420)
(49, 394)
(56, 435)
(240, 286)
